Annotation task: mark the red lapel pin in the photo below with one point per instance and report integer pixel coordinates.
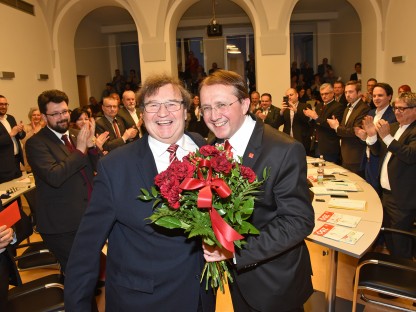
(251, 155)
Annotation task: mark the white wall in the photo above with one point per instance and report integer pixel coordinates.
(26, 51)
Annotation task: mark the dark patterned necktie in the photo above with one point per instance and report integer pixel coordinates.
(68, 143)
(172, 151)
(116, 128)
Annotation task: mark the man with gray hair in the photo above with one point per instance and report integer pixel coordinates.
(326, 137)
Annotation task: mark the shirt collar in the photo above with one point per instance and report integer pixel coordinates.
(239, 140)
(58, 134)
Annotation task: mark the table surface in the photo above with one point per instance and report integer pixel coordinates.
(21, 185)
(371, 218)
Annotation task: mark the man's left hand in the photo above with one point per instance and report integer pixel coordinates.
(383, 128)
(333, 123)
(213, 254)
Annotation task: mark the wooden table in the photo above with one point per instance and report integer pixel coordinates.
(371, 220)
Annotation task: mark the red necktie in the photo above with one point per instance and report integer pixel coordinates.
(71, 149)
(227, 146)
(116, 128)
(68, 143)
(172, 151)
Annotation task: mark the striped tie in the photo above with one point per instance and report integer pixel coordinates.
(172, 151)
(227, 146)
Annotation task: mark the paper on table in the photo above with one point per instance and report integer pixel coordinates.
(340, 219)
(343, 203)
(321, 190)
(339, 233)
(311, 160)
(10, 215)
(24, 180)
(342, 186)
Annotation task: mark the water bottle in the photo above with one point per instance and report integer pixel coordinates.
(321, 171)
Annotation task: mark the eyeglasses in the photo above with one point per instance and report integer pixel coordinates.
(111, 106)
(4, 104)
(171, 106)
(220, 108)
(402, 109)
(56, 115)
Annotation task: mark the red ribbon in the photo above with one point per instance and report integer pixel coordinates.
(225, 234)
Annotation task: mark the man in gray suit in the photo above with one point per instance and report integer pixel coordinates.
(62, 163)
(352, 148)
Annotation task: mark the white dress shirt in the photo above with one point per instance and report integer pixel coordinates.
(239, 140)
(161, 155)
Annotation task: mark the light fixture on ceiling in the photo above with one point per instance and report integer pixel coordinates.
(214, 29)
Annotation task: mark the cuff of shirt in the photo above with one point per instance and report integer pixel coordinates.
(371, 140)
(388, 139)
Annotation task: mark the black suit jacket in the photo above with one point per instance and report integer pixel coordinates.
(402, 165)
(61, 190)
(274, 269)
(129, 121)
(273, 117)
(371, 164)
(103, 124)
(8, 169)
(327, 137)
(301, 128)
(352, 147)
(149, 268)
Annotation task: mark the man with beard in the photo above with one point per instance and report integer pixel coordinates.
(61, 161)
(10, 148)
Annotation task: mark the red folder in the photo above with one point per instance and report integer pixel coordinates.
(10, 215)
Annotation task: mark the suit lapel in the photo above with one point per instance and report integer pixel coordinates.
(145, 162)
(406, 133)
(252, 151)
(55, 139)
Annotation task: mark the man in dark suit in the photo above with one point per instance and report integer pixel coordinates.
(8, 270)
(130, 115)
(10, 148)
(352, 148)
(63, 173)
(383, 93)
(149, 268)
(272, 271)
(295, 123)
(323, 68)
(339, 95)
(267, 112)
(357, 75)
(328, 141)
(396, 146)
(117, 132)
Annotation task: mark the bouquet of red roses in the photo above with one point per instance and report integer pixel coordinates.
(207, 194)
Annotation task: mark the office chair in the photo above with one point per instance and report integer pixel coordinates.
(36, 255)
(45, 294)
(386, 274)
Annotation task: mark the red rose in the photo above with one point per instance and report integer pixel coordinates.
(221, 164)
(170, 190)
(182, 169)
(208, 150)
(248, 174)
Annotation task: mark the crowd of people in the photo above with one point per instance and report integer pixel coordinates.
(90, 163)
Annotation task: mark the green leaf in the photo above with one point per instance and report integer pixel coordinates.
(145, 192)
(154, 192)
(169, 222)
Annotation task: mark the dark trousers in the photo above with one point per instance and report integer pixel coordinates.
(60, 245)
(241, 305)
(398, 244)
(4, 279)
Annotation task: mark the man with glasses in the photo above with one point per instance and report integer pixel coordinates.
(267, 112)
(326, 137)
(62, 164)
(396, 145)
(10, 148)
(273, 269)
(148, 268)
(118, 135)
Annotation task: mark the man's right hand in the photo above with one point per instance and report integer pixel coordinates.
(6, 236)
(129, 134)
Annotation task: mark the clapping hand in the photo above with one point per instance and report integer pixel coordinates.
(6, 236)
(333, 123)
(383, 128)
(368, 126)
